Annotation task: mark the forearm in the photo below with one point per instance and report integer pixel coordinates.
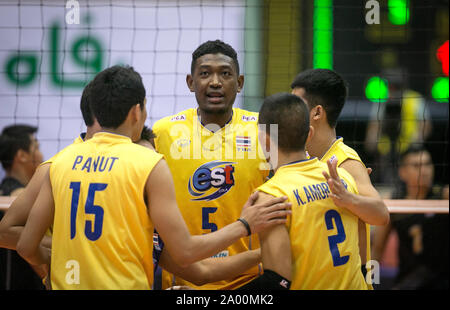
(203, 246)
(379, 241)
(370, 210)
(212, 269)
(217, 269)
(9, 237)
(35, 256)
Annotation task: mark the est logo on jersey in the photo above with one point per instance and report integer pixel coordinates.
(211, 180)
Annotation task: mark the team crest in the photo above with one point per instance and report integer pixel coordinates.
(211, 180)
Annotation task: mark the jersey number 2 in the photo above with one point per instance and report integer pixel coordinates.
(334, 240)
(92, 233)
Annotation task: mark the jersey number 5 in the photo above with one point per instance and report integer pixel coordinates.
(334, 240)
(92, 233)
(206, 224)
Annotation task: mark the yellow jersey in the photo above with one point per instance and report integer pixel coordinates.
(214, 174)
(79, 139)
(324, 237)
(102, 233)
(341, 152)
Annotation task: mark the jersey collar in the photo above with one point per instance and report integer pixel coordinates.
(338, 140)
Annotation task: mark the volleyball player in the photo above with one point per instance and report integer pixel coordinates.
(11, 227)
(318, 247)
(325, 92)
(117, 191)
(212, 153)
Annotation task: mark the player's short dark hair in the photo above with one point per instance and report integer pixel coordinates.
(13, 139)
(323, 87)
(291, 115)
(85, 107)
(214, 47)
(113, 92)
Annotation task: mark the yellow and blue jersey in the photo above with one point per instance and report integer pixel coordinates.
(102, 233)
(341, 152)
(79, 139)
(214, 174)
(324, 237)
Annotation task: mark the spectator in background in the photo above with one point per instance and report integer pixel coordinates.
(20, 156)
(423, 238)
(395, 125)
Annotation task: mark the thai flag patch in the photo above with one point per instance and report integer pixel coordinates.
(243, 143)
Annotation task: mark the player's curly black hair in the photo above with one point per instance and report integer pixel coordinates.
(214, 47)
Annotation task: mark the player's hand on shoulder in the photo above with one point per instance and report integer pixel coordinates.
(263, 211)
(340, 195)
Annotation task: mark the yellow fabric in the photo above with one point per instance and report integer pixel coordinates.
(79, 139)
(341, 152)
(214, 174)
(102, 234)
(320, 262)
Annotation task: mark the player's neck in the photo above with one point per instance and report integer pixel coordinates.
(323, 139)
(219, 119)
(121, 130)
(287, 158)
(92, 130)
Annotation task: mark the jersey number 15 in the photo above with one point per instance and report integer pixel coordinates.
(92, 232)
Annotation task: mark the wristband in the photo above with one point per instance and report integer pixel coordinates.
(247, 226)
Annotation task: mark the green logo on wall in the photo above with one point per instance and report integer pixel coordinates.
(86, 53)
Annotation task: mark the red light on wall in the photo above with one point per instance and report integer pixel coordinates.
(442, 55)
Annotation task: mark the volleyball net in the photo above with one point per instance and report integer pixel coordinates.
(394, 206)
(50, 49)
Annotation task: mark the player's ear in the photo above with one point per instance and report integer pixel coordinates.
(317, 112)
(190, 82)
(21, 156)
(240, 83)
(135, 113)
